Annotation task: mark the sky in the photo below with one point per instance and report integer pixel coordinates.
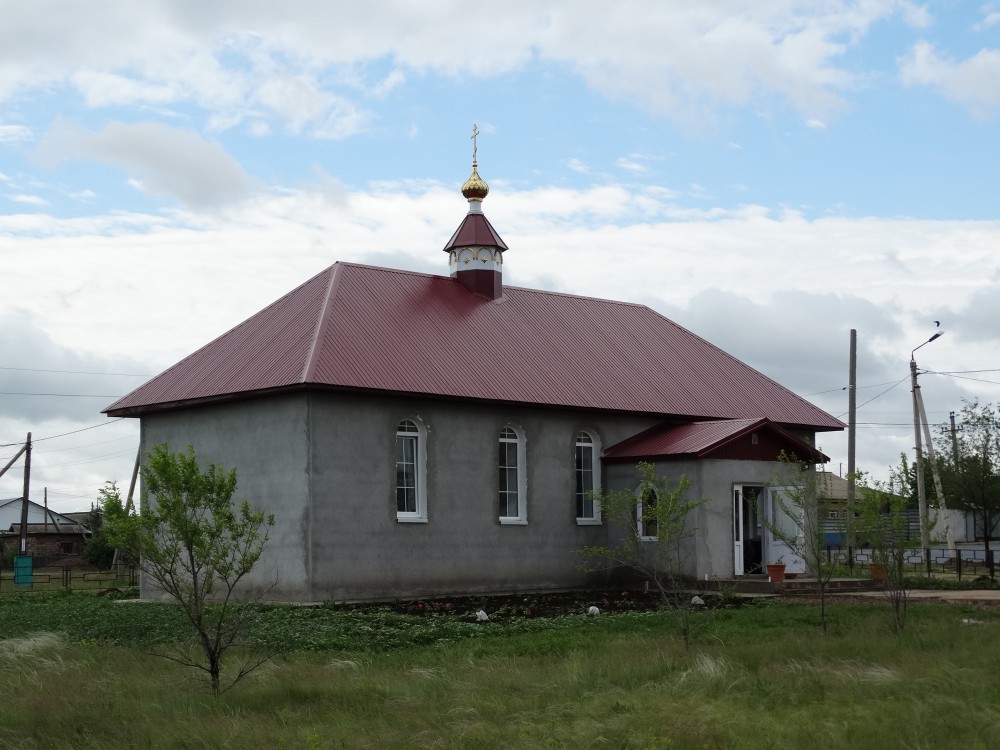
(769, 174)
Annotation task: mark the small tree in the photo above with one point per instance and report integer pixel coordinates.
(970, 463)
(196, 546)
(883, 524)
(799, 496)
(655, 524)
(97, 551)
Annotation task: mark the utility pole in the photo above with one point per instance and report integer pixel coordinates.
(852, 418)
(938, 489)
(24, 497)
(925, 535)
(12, 460)
(954, 439)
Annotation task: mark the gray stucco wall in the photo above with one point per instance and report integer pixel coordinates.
(361, 551)
(711, 543)
(324, 464)
(266, 441)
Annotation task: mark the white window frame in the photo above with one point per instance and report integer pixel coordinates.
(639, 523)
(595, 446)
(419, 433)
(521, 518)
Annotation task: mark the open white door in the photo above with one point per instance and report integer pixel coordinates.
(747, 529)
(781, 518)
(738, 531)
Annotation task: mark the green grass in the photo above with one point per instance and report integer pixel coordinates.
(75, 673)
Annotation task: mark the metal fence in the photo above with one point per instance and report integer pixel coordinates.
(965, 560)
(65, 578)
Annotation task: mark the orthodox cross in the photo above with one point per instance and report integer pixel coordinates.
(475, 132)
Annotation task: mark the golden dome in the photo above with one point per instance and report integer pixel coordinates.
(475, 189)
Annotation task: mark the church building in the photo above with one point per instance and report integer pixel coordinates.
(420, 435)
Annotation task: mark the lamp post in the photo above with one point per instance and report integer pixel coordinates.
(925, 534)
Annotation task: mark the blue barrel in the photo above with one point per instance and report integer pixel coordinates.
(22, 570)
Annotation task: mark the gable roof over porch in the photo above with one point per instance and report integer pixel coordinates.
(737, 439)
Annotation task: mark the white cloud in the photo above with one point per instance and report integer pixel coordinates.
(101, 89)
(301, 60)
(32, 200)
(698, 191)
(990, 19)
(15, 133)
(816, 124)
(577, 166)
(303, 104)
(162, 160)
(916, 16)
(631, 165)
(974, 82)
(392, 81)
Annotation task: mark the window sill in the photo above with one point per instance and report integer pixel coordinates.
(410, 519)
(588, 522)
(513, 522)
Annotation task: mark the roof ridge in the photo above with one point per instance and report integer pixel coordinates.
(309, 366)
(408, 272)
(221, 336)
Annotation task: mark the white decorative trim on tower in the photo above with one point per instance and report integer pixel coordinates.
(475, 250)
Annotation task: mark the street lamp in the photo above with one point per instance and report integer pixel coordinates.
(925, 534)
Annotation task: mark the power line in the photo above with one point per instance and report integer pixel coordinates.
(86, 460)
(82, 429)
(71, 395)
(962, 372)
(960, 377)
(844, 388)
(64, 434)
(79, 372)
(905, 377)
(90, 445)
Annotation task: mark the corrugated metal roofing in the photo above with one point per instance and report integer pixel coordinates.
(361, 327)
(699, 439)
(475, 230)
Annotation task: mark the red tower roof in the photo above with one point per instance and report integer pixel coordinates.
(475, 231)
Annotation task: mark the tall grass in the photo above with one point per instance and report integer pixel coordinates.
(756, 678)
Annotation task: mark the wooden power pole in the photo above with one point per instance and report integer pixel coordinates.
(24, 497)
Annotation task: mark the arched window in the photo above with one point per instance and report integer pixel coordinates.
(646, 513)
(588, 478)
(512, 477)
(411, 479)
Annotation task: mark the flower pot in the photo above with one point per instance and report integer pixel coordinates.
(877, 571)
(776, 572)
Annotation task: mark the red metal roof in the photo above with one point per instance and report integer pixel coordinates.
(475, 230)
(701, 439)
(379, 329)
